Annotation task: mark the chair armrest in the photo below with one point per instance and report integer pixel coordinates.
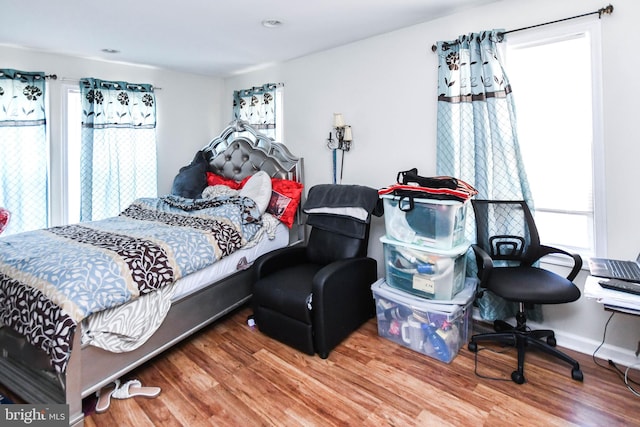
(276, 260)
(577, 260)
(342, 300)
(484, 263)
(346, 273)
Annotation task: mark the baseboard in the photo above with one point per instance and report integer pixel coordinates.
(619, 355)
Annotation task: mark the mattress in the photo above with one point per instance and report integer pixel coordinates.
(238, 260)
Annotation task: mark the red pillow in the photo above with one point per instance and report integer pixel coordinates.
(215, 179)
(285, 198)
(5, 215)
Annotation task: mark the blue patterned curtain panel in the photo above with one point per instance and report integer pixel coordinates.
(118, 147)
(24, 151)
(476, 131)
(477, 136)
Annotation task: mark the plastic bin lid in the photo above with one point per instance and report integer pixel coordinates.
(447, 307)
(464, 297)
(453, 252)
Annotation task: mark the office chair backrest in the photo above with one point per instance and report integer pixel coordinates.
(324, 247)
(506, 230)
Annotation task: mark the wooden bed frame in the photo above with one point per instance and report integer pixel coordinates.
(237, 152)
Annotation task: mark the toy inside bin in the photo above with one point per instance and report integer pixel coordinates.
(436, 330)
(435, 223)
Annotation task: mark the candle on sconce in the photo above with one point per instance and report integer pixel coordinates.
(347, 134)
(338, 120)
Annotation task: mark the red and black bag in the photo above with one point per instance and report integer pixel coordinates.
(411, 186)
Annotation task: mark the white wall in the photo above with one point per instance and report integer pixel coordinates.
(188, 105)
(386, 88)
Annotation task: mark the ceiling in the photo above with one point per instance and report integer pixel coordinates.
(208, 37)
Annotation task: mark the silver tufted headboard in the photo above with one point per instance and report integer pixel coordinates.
(240, 151)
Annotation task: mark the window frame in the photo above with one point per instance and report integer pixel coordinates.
(65, 90)
(565, 31)
(279, 101)
(59, 161)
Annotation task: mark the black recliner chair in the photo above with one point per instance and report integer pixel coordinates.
(312, 297)
(507, 250)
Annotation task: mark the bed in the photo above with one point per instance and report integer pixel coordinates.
(191, 300)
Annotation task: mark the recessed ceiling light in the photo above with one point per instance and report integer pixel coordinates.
(110, 50)
(271, 23)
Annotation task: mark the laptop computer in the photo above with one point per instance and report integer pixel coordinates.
(615, 269)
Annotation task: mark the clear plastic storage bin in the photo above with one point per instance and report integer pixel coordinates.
(423, 271)
(437, 330)
(436, 223)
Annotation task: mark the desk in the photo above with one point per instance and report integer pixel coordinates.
(612, 300)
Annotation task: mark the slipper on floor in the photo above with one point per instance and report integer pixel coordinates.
(104, 396)
(134, 388)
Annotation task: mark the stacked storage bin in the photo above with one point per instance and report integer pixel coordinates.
(424, 302)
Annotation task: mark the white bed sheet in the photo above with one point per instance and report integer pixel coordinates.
(238, 260)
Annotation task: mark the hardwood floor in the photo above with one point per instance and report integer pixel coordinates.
(232, 375)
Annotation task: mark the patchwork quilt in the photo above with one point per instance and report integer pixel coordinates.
(52, 279)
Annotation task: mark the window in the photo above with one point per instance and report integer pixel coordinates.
(71, 154)
(279, 136)
(555, 75)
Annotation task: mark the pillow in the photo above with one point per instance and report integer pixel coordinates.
(214, 191)
(215, 179)
(191, 179)
(5, 215)
(258, 188)
(285, 198)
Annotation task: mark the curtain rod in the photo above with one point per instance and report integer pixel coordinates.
(608, 10)
(65, 79)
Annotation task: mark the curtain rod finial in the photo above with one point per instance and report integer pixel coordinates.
(434, 48)
(605, 11)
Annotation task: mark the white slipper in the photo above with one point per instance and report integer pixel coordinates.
(134, 388)
(104, 396)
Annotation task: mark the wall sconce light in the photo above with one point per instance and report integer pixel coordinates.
(342, 142)
(344, 137)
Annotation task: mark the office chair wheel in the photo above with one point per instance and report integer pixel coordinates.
(551, 341)
(576, 374)
(517, 377)
(473, 346)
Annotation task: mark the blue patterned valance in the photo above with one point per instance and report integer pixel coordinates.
(21, 98)
(256, 106)
(470, 70)
(117, 104)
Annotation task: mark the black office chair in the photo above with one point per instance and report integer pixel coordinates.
(312, 297)
(507, 249)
